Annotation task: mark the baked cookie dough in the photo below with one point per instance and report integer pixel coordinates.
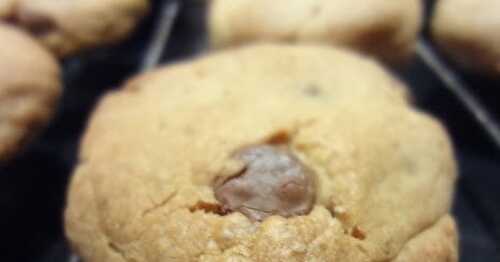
(385, 29)
(67, 27)
(29, 89)
(350, 171)
(6, 7)
(467, 32)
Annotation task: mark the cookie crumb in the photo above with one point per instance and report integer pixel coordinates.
(339, 210)
(358, 233)
(340, 213)
(209, 208)
(279, 138)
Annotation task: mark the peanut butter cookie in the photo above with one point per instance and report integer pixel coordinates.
(263, 153)
(380, 28)
(467, 32)
(29, 89)
(67, 27)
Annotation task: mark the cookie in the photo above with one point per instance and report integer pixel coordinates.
(67, 27)
(263, 153)
(29, 89)
(6, 7)
(467, 33)
(385, 29)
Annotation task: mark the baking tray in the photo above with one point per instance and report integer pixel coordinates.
(33, 186)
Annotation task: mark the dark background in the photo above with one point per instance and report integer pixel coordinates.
(33, 186)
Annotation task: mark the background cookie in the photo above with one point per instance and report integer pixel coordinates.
(6, 7)
(29, 88)
(467, 31)
(385, 29)
(384, 171)
(70, 26)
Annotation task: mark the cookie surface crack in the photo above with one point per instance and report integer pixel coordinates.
(159, 205)
(115, 249)
(110, 245)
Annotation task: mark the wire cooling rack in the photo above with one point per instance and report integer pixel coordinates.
(455, 85)
(425, 52)
(450, 80)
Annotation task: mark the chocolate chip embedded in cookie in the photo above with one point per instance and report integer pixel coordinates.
(29, 89)
(273, 182)
(385, 29)
(231, 157)
(67, 27)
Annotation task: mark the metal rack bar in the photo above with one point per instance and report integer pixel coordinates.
(160, 36)
(155, 49)
(450, 80)
(453, 83)
(73, 258)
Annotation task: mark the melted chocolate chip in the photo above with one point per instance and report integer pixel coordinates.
(274, 182)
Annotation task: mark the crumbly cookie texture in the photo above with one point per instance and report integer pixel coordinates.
(384, 29)
(29, 89)
(67, 27)
(143, 189)
(467, 32)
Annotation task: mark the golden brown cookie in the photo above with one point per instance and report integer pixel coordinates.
(6, 7)
(350, 171)
(29, 89)
(467, 32)
(67, 27)
(436, 244)
(384, 29)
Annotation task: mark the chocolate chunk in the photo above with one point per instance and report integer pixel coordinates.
(274, 182)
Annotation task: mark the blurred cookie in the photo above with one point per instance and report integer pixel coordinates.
(6, 7)
(67, 27)
(265, 153)
(384, 29)
(29, 89)
(467, 32)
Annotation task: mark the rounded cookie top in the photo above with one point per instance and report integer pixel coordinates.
(384, 29)
(6, 7)
(182, 174)
(67, 27)
(467, 31)
(29, 89)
